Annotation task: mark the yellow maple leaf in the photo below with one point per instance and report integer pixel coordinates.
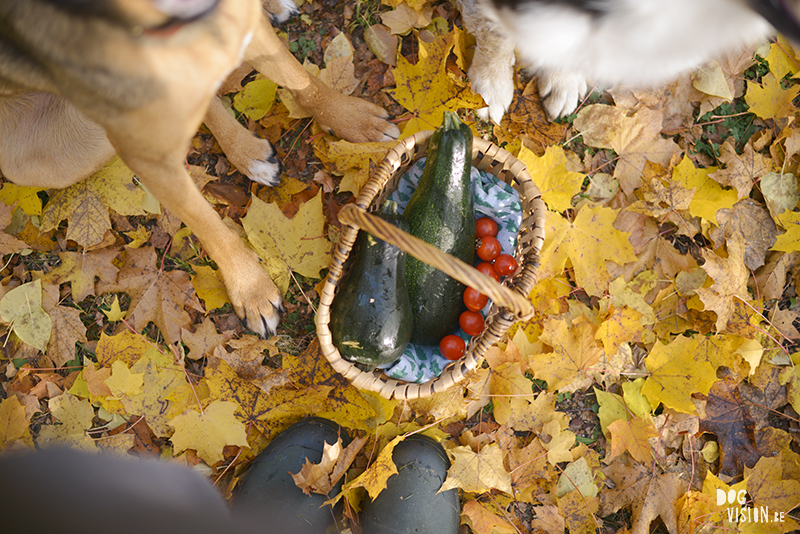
(405, 18)
(269, 412)
(21, 308)
(210, 287)
(114, 313)
(375, 477)
(477, 472)
(589, 241)
(775, 481)
(26, 198)
(578, 512)
(612, 408)
(354, 161)
(81, 269)
(709, 197)
(741, 170)
(256, 98)
(139, 236)
(427, 90)
(781, 58)
(790, 240)
(560, 442)
(511, 392)
(123, 382)
(770, 100)
(480, 519)
(126, 347)
(75, 417)
(208, 432)
(85, 204)
(300, 242)
(574, 353)
(14, 424)
(635, 401)
(677, 371)
(632, 436)
(549, 172)
(159, 382)
(623, 325)
(730, 281)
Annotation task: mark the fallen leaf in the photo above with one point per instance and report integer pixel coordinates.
(322, 477)
(156, 295)
(477, 472)
(588, 242)
(21, 309)
(300, 242)
(483, 521)
(208, 432)
(650, 494)
(75, 417)
(728, 419)
(14, 425)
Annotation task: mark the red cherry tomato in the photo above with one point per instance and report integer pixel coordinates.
(505, 265)
(489, 248)
(488, 269)
(474, 300)
(485, 227)
(452, 347)
(471, 323)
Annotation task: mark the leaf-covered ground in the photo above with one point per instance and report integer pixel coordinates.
(662, 364)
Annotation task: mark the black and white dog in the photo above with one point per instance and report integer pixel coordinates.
(638, 42)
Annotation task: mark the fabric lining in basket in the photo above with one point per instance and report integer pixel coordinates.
(510, 302)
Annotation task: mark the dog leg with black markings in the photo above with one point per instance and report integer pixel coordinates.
(349, 118)
(251, 155)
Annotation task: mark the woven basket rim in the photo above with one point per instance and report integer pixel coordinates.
(486, 156)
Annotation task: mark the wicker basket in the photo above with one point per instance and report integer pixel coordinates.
(510, 302)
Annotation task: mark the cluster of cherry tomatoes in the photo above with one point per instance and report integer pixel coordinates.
(494, 264)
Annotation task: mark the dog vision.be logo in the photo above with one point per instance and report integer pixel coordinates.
(742, 514)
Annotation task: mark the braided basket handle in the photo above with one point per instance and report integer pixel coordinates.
(452, 266)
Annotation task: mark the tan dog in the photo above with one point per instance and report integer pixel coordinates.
(83, 79)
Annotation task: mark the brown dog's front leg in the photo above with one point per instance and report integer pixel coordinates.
(347, 117)
(251, 291)
(253, 156)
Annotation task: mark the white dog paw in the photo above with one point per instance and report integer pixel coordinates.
(280, 10)
(561, 92)
(497, 91)
(266, 171)
(256, 159)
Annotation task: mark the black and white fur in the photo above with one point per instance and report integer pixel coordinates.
(637, 42)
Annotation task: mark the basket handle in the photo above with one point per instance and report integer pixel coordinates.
(452, 266)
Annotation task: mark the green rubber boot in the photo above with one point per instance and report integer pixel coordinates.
(410, 503)
(268, 491)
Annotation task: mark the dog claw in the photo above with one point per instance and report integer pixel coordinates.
(266, 326)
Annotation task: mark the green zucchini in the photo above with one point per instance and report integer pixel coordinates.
(371, 318)
(441, 213)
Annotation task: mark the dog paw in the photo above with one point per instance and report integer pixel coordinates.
(561, 92)
(255, 298)
(255, 158)
(497, 92)
(280, 10)
(347, 117)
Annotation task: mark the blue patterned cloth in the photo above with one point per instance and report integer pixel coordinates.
(493, 198)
